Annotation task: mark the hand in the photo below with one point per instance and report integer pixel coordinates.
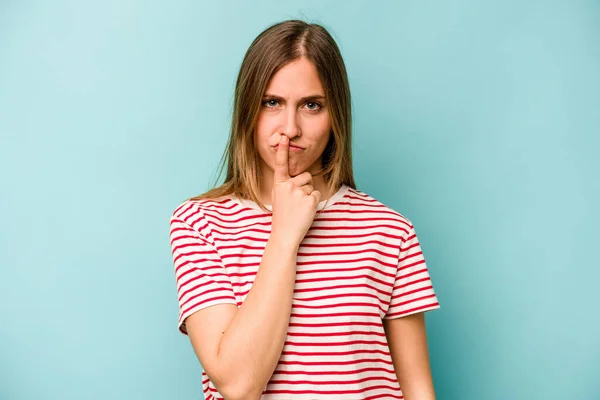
(294, 199)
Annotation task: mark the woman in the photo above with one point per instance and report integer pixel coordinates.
(292, 283)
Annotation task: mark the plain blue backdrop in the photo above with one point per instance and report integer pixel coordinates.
(477, 120)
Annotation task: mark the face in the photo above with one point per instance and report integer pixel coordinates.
(294, 105)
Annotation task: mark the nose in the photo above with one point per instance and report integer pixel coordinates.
(290, 126)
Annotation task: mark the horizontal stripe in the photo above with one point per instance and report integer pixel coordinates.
(359, 263)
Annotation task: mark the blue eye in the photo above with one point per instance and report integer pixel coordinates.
(266, 103)
(316, 104)
(272, 103)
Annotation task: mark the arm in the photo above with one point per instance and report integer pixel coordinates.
(240, 348)
(407, 340)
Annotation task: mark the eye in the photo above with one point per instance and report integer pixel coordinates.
(269, 103)
(316, 106)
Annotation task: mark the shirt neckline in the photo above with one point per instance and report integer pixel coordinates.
(324, 204)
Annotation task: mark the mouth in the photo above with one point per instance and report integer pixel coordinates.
(292, 146)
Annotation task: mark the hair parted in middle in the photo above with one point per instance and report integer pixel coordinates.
(272, 49)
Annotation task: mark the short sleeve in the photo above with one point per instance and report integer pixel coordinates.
(201, 278)
(413, 291)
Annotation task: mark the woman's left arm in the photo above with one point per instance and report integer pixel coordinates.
(407, 340)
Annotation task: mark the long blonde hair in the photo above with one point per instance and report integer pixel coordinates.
(272, 49)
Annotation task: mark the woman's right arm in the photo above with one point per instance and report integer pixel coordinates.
(240, 348)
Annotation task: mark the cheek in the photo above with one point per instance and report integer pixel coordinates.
(264, 124)
(319, 123)
(262, 133)
(324, 131)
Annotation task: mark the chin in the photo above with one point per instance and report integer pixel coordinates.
(295, 171)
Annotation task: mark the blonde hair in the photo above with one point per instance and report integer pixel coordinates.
(272, 49)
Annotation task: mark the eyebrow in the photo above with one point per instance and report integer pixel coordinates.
(302, 100)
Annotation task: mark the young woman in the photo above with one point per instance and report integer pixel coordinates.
(292, 283)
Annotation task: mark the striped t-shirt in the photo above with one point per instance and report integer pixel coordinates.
(360, 262)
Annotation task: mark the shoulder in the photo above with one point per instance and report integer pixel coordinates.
(192, 210)
(359, 199)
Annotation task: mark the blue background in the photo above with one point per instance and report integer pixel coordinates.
(479, 121)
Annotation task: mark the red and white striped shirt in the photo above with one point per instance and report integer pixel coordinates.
(359, 263)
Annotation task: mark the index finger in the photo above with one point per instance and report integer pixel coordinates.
(281, 160)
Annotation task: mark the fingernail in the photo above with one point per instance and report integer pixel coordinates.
(285, 138)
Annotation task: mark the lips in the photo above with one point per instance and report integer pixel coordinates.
(291, 146)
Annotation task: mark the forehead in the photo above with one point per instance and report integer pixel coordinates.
(296, 79)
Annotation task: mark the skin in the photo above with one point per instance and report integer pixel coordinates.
(305, 122)
(286, 111)
(407, 339)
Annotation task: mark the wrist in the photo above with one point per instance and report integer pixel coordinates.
(283, 243)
